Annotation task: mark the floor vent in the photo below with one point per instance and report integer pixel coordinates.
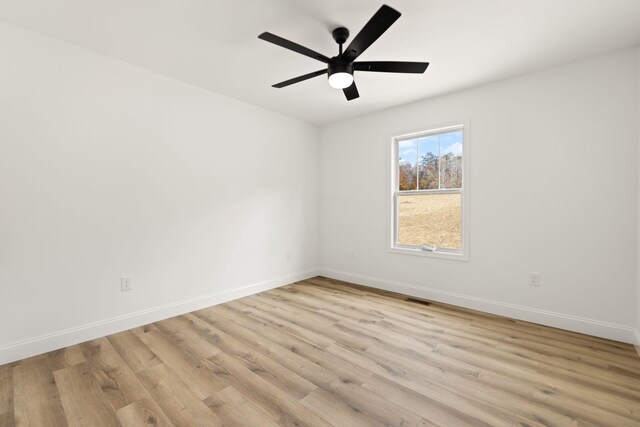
(418, 301)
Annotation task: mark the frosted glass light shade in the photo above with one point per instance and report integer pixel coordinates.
(340, 80)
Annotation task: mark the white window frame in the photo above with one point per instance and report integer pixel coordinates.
(452, 254)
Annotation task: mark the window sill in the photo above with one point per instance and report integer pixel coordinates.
(429, 254)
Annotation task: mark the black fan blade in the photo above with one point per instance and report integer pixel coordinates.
(377, 25)
(351, 92)
(392, 66)
(272, 38)
(300, 78)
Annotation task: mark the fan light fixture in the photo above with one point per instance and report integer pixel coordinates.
(340, 73)
(340, 80)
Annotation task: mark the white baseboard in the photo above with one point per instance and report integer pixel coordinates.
(53, 341)
(583, 325)
(49, 342)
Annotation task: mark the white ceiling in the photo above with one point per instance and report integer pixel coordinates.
(214, 44)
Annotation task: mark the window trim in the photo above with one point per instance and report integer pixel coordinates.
(452, 254)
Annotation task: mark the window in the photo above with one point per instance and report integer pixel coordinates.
(428, 196)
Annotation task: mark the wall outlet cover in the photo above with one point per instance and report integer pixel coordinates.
(126, 284)
(534, 279)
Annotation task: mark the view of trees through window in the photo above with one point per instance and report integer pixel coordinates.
(433, 218)
(430, 163)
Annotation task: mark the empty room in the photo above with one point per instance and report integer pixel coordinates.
(320, 213)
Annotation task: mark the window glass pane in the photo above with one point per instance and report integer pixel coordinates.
(407, 159)
(428, 163)
(451, 160)
(430, 220)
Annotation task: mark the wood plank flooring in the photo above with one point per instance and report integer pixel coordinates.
(326, 353)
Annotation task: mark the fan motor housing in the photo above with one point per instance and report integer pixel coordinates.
(338, 66)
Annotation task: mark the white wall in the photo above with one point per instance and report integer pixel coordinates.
(109, 170)
(554, 190)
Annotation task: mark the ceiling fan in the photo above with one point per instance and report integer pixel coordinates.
(340, 68)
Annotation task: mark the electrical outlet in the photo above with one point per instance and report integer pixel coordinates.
(288, 256)
(126, 284)
(353, 253)
(534, 279)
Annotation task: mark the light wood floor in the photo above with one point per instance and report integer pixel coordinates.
(320, 353)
